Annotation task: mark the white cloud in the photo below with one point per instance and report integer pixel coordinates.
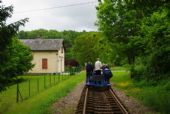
(67, 18)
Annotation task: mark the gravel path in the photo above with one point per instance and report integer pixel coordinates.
(68, 104)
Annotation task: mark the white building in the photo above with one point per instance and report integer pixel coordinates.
(48, 55)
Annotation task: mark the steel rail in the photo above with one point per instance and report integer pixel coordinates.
(100, 101)
(122, 107)
(85, 101)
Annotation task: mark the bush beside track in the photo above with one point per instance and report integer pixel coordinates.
(155, 95)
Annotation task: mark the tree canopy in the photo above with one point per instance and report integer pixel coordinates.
(90, 46)
(139, 31)
(12, 53)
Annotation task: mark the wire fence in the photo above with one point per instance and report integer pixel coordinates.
(35, 84)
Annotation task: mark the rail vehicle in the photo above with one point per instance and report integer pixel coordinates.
(97, 80)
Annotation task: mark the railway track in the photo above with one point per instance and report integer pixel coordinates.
(100, 101)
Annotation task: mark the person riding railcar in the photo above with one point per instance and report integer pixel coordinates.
(89, 71)
(99, 77)
(107, 73)
(98, 66)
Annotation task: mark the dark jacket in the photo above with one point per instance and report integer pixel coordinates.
(89, 67)
(107, 72)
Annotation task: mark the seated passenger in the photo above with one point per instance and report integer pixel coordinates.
(107, 73)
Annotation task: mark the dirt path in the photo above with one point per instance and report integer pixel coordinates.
(68, 104)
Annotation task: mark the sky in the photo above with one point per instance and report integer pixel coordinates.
(59, 15)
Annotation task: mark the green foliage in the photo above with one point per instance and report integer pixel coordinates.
(120, 23)
(156, 96)
(7, 32)
(138, 30)
(153, 93)
(68, 36)
(19, 61)
(20, 57)
(86, 47)
(121, 76)
(156, 31)
(89, 46)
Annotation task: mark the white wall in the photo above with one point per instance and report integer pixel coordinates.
(61, 60)
(55, 61)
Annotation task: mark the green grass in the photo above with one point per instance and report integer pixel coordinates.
(155, 96)
(121, 78)
(34, 80)
(8, 97)
(37, 103)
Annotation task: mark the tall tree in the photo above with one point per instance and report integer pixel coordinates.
(85, 48)
(139, 28)
(91, 45)
(7, 32)
(120, 23)
(19, 59)
(156, 32)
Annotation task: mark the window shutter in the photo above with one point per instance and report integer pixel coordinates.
(44, 63)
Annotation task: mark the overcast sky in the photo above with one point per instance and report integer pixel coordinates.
(55, 14)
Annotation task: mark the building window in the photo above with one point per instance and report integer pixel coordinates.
(44, 63)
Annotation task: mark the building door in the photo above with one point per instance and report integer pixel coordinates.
(44, 63)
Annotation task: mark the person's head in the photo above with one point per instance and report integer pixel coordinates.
(106, 66)
(98, 59)
(103, 66)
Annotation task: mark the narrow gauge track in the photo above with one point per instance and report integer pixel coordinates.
(100, 101)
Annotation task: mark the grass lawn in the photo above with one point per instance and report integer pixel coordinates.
(155, 96)
(37, 103)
